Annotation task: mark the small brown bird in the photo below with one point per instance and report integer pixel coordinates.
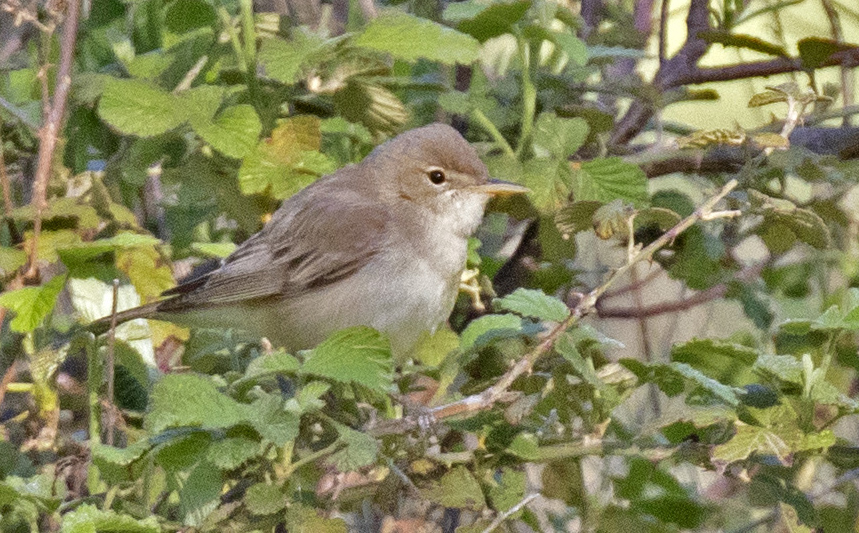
(382, 244)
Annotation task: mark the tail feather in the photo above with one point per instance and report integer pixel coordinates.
(102, 325)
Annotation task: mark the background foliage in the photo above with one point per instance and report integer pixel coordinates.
(187, 121)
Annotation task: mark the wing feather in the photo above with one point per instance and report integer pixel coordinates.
(293, 255)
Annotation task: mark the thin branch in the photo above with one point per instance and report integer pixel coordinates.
(111, 362)
(715, 292)
(683, 62)
(50, 130)
(499, 391)
(756, 69)
(191, 75)
(18, 113)
(632, 286)
(664, 11)
(510, 512)
(8, 206)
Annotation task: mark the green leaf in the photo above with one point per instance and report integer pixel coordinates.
(670, 377)
(138, 108)
(120, 456)
(572, 46)
(533, 303)
(697, 262)
(272, 421)
(200, 493)
(191, 400)
(410, 38)
(263, 499)
(485, 21)
(307, 398)
(525, 446)
(217, 250)
(303, 519)
(233, 132)
(286, 162)
(740, 40)
(182, 17)
(457, 488)
(232, 452)
(713, 354)
(509, 491)
(266, 365)
(662, 218)
(727, 394)
(358, 355)
(485, 329)
(372, 105)
(749, 440)
(11, 259)
(361, 450)
(804, 224)
(787, 368)
(32, 304)
(815, 51)
(558, 137)
(287, 61)
(566, 346)
(90, 519)
(548, 179)
(576, 217)
(80, 252)
(609, 179)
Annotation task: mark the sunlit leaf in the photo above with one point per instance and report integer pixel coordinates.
(395, 33)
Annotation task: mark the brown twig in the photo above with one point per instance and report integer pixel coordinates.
(8, 206)
(111, 364)
(758, 69)
(500, 390)
(620, 291)
(847, 79)
(8, 377)
(49, 132)
(682, 69)
(664, 11)
(683, 62)
(708, 295)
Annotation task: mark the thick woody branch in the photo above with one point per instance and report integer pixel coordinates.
(500, 390)
(50, 130)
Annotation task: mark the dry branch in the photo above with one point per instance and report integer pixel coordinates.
(50, 130)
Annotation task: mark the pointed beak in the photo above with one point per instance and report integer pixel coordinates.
(496, 187)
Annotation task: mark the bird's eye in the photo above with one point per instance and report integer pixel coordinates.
(437, 176)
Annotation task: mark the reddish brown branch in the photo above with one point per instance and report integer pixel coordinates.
(682, 70)
(758, 69)
(49, 132)
(684, 61)
(715, 292)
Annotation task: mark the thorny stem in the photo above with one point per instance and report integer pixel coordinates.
(50, 130)
(499, 391)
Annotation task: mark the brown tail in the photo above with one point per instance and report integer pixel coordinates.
(102, 325)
